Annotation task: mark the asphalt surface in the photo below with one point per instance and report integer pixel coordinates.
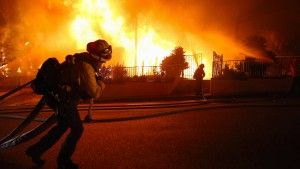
(242, 133)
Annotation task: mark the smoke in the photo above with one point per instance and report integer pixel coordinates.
(221, 25)
(44, 25)
(196, 25)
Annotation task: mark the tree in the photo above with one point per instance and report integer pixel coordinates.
(259, 43)
(119, 73)
(174, 64)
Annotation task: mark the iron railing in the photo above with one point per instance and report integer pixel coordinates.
(252, 68)
(116, 74)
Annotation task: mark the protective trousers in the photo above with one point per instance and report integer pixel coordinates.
(199, 87)
(68, 117)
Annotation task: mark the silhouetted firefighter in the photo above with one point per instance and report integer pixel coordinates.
(199, 75)
(78, 79)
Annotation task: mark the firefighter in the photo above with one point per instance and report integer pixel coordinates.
(199, 74)
(78, 83)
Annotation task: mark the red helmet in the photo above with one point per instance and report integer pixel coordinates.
(101, 49)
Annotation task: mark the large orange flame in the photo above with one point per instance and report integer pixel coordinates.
(142, 45)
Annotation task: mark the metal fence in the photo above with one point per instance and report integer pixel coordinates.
(253, 68)
(138, 73)
(194, 61)
(248, 68)
(153, 71)
(115, 74)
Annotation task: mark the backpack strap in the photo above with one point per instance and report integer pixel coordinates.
(86, 57)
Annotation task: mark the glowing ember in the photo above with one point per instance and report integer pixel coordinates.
(19, 70)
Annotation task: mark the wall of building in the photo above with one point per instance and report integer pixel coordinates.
(250, 86)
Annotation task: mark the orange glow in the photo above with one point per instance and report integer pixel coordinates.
(138, 37)
(142, 45)
(99, 14)
(140, 32)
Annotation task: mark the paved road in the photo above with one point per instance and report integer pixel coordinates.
(242, 134)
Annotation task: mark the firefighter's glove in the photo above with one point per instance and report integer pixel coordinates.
(101, 84)
(99, 78)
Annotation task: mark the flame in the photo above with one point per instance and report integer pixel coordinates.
(143, 45)
(19, 70)
(136, 40)
(141, 34)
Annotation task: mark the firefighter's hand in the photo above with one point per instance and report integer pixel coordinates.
(99, 78)
(101, 84)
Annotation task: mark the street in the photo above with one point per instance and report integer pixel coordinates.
(242, 134)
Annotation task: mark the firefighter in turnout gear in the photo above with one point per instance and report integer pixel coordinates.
(199, 74)
(79, 80)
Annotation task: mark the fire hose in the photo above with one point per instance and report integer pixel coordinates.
(14, 91)
(10, 139)
(26, 122)
(30, 134)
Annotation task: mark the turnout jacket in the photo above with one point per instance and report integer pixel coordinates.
(79, 77)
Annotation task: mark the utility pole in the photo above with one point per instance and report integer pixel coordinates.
(136, 42)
